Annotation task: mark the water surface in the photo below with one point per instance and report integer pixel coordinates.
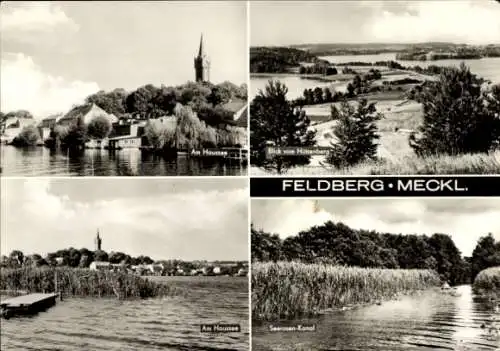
(83, 324)
(40, 161)
(488, 68)
(427, 321)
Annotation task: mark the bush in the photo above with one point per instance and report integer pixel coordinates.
(356, 132)
(29, 136)
(487, 281)
(99, 128)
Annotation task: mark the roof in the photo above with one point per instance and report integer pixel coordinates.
(125, 137)
(234, 105)
(88, 111)
(242, 119)
(101, 263)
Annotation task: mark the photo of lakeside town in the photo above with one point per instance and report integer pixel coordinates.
(149, 259)
(180, 111)
(386, 87)
(377, 274)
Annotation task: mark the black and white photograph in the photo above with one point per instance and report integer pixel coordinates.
(124, 264)
(124, 88)
(375, 274)
(374, 87)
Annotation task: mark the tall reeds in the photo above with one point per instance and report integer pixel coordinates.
(291, 289)
(83, 282)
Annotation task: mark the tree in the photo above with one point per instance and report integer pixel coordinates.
(17, 256)
(219, 95)
(457, 116)
(18, 114)
(29, 136)
(356, 133)
(328, 97)
(76, 135)
(99, 127)
(275, 122)
(486, 254)
(101, 256)
(111, 102)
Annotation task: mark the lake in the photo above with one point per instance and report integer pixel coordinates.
(427, 321)
(488, 68)
(151, 324)
(41, 161)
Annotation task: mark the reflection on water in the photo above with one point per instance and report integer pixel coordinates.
(427, 321)
(40, 161)
(152, 324)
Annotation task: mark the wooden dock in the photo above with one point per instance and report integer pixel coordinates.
(27, 304)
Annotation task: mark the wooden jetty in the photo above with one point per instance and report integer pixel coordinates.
(27, 304)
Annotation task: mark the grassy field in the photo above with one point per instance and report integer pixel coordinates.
(409, 165)
(487, 282)
(290, 289)
(83, 282)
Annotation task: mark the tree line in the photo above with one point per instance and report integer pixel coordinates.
(82, 258)
(149, 101)
(278, 59)
(337, 244)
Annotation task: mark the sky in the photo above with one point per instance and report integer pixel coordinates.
(54, 54)
(300, 22)
(465, 220)
(189, 219)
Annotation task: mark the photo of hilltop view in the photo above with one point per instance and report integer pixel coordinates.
(123, 89)
(375, 87)
(86, 265)
(375, 274)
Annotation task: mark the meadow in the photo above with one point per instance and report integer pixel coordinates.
(291, 289)
(487, 282)
(83, 283)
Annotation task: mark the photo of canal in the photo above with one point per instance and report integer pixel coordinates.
(375, 274)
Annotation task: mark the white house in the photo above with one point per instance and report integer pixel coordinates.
(98, 265)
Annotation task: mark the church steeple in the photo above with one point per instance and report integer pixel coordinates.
(201, 53)
(202, 64)
(98, 241)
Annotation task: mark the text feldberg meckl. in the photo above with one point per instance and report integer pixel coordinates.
(377, 185)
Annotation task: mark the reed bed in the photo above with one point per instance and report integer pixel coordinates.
(292, 289)
(487, 282)
(83, 282)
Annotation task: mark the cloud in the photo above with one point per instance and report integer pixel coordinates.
(33, 17)
(473, 22)
(25, 86)
(405, 216)
(186, 225)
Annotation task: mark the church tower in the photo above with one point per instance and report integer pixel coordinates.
(202, 64)
(98, 241)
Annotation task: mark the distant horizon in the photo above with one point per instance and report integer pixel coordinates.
(375, 43)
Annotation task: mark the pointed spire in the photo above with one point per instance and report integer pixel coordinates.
(201, 52)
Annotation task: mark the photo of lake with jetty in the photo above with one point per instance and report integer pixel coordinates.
(86, 94)
(375, 274)
(86, 265)
(381, 87)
